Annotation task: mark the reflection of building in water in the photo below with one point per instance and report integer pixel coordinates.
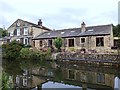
(23, 81)
(80, 75)
(89, 77)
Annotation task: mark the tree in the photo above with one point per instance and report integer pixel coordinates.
(3, 33)
(11, 50)
(58, 43)
(116, 30)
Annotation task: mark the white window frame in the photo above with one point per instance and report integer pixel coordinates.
(18, 40)
(27, 41)
(26, 31)
(25, 82)
(17, 80)
(11, 33)
(18, 32)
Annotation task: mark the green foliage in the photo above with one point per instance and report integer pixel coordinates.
(3, 33)
(5, 84)
(116, 30)
(11, 50)
(12, 68)
(32, 58)
(58, 74)
(5, 81)
(47, 54)
(58, 43)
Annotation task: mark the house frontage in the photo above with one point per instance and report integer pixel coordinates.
(87, 39)
(23, 31)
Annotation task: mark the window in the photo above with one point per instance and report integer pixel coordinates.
(71, 74)
(40, 43)
(18, 32)
(100, 78)
(62, 32)
(25, 72)
(11, 33)
(17, 80)
(18, 40)
(99, 41)
(49, 42)
(71, 43)
(25, 41)
(72, 31)
(25, 31)
(82, 40)
(24, 82)
(15, 32)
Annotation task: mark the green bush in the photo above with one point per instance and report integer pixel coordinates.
(11, 50)
(58, 43)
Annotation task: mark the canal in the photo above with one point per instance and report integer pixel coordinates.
(63, 75)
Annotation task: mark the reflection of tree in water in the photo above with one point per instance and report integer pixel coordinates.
(12, 68)
(58, 75)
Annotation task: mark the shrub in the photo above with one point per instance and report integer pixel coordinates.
(58, 43)
(11, 50)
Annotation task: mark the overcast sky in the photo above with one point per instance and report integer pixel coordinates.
(59, 14)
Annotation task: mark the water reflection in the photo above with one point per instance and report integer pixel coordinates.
(67, 74)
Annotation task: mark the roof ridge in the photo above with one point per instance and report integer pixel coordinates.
(33, 24)
(26, 21)
(86, 27)
(100, 25)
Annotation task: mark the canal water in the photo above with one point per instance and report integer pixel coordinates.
(63, 75)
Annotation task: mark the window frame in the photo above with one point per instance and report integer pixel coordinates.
(50, 42)
(81, 40)
(25, 41)
(40, 43)
(71, 43)
(99, 41)
(25, 30)
(18, 31)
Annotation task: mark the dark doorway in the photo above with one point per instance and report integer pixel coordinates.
(71, 43)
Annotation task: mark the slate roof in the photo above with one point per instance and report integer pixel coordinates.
(33, 24)
(76, 32)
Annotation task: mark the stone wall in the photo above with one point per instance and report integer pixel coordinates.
(89, 45)
(90, 77)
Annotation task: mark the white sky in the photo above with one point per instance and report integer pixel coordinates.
(59, 14)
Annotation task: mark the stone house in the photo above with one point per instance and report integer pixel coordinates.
(23, 31)
(88, 39)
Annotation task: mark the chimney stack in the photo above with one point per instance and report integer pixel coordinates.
(83, 29)
(40, 22)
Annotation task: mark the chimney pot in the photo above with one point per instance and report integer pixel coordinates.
(40, 22)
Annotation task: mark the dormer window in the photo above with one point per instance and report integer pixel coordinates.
(90, 30)
(62, 32)
(72, 31)
(48, 33)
